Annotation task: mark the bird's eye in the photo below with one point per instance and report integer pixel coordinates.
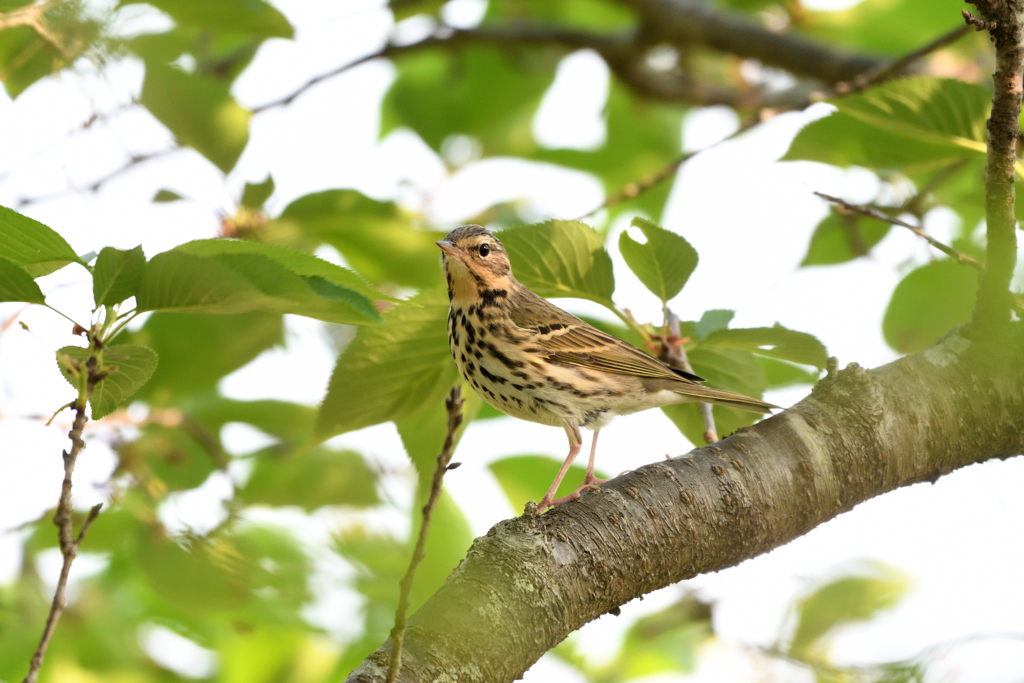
(485, 249)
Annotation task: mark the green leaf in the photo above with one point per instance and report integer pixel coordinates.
(130, 366)
(32, 245)
(664, 642)
(928, 303)
(841, 237)
(779, 373)
(527, 477)
(310, 480)
(213, 585)
(642, 138)
(255, 194)
(116, 275)
(663, 264)
(479, 91)
(886, 27)
(231, 276)
(377, 239)
(381, 562)
(175, 280)
(17, 285)
(220, 56)
(163, 196)
(197, 350)
(292, 423)
(911, 122)
(404, 10)
(856, 597)
(170, 456)
(775, 342)
(561, 259)
(723, 368)
(200, 112)
(392, 371)
(712, 321)
(254, 18)
(595, 15)
(26, 55)
(263, 653)
(321, 273)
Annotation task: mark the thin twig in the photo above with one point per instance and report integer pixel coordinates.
(454, 405)
(675, 355)
(68, 541)
(95, 185)
(885, 72)
(514, 34)
(872, 212)
(635, 189)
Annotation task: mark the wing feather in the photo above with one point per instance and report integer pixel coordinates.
(572, 341)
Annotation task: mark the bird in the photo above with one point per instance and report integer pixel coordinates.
(530, 359)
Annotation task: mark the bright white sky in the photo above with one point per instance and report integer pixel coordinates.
(749, 217)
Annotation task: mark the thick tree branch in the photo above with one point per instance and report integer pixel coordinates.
(1003, 21)
(531, 581)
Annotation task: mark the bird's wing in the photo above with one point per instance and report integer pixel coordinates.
(567, 339)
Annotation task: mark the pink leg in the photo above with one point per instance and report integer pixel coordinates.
(590, 479)
(549, 498)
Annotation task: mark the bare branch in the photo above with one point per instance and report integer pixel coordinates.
(95, 185)
(871, 212)
(635, 189)
(697, 22)
(625, 53)
(68, 541)
(454, 405)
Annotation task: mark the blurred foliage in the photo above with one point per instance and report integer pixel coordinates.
(244, 589)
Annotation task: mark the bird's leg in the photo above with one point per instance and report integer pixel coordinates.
(549, 498)
(590, 479)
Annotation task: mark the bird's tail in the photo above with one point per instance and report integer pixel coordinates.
(698, 393)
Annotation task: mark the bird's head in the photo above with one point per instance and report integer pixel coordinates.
(475, 264)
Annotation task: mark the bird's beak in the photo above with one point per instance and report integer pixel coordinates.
(450, 249)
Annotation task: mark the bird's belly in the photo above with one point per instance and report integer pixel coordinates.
(501, 374)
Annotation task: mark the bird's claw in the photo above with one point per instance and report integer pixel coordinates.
(588, 483)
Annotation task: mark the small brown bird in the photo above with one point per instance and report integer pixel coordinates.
(532, 360)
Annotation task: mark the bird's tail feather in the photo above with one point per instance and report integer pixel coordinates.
(697, 393)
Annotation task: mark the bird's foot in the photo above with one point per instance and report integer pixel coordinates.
(549, 502)
(589, 482)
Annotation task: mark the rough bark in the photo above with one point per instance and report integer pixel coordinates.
(531, 581)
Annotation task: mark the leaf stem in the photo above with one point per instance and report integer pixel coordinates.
(628, 319)
(72, 320)
(122, 321)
